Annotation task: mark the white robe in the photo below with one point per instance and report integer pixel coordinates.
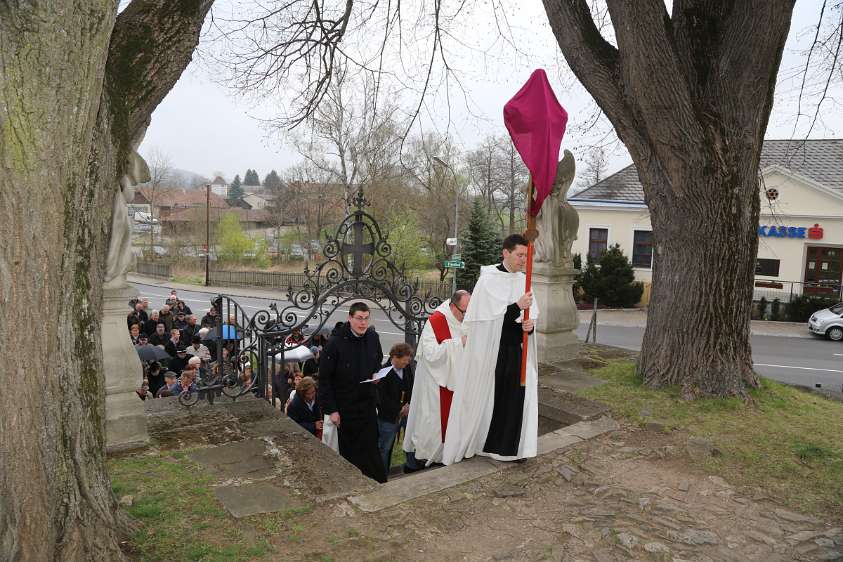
(435, 366)
(474, 395)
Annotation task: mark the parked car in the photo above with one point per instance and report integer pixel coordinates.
(828, 322)
(296, 250)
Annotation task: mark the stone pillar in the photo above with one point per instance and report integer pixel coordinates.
(558, 320)
(125, 421)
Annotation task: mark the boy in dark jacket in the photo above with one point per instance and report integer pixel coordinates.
(394, 392)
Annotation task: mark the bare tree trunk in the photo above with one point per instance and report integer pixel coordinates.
(690, 94)
(62, 148)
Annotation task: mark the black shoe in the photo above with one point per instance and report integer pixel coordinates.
(408, 470)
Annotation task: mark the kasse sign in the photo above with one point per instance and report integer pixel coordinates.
(773, 231)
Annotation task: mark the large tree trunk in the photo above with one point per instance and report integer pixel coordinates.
(698, 323)
(689, 93)
(62, 148)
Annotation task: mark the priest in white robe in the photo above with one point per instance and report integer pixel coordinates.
(437, 356)
(492, 413)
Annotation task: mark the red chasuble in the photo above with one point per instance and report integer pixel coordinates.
(442, 332)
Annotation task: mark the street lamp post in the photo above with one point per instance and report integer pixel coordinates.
(456, 216)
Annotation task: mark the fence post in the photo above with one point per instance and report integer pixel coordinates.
(592, 325)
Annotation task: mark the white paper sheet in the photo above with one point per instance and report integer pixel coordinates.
(379, 375)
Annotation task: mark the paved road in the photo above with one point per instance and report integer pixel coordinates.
(803, 361)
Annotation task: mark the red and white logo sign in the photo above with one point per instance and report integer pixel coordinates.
(815, 233)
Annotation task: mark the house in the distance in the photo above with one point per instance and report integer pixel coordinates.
(255, 222)
(257, 201)
(141, 203)
(219, 187)
(800, 235)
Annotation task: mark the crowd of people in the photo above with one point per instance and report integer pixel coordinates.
(185, 353)
(461, 392)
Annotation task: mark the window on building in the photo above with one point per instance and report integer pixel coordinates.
(598, 242)
(767, 267)
(642, 249)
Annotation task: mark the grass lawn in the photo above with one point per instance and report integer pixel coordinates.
(180, 519)
(786, 441)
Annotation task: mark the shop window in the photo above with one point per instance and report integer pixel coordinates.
(767, 267)
(642, 249)
(598, 242)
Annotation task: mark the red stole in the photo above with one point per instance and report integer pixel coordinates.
(442, 332)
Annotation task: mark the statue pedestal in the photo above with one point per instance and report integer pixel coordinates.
(557, 321)
(125, 421)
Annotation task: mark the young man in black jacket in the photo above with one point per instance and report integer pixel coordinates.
(394, 392)
(352, 356)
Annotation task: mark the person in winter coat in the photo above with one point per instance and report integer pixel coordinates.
(350, 358)
(303, 408)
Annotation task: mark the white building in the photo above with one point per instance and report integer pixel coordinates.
(219, 187)
(801, 224)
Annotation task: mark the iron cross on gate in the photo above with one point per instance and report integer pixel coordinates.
(358, 249)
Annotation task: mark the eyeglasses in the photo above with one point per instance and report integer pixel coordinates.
(360, 318)
(460, 309)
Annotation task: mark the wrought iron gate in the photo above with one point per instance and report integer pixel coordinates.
(357, 265)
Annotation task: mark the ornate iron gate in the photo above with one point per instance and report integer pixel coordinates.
(358, 265)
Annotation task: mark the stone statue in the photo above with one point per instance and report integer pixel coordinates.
(119, 256)
(558, 221)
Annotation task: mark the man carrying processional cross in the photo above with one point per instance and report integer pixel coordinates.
(494, 411)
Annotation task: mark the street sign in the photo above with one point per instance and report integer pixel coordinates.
(450, 241)
(454, 264)
(455, 257)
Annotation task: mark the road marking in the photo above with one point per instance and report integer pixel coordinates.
(802, 368)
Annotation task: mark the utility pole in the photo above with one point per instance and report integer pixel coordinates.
(456, 217)
(207, 234)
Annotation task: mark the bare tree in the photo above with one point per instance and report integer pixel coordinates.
(515, 177)
(482, 173)
(349, 136)
(498, 176)
(312, 199)
(690, 94)
(160, 171)
(595, 167)
(80, 83)
(438, 188)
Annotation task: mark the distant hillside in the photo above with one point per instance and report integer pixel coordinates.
(186, 178)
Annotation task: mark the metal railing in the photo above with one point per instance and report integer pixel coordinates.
(792, 301)
(153, 269)
(787, 291)
(268, 279)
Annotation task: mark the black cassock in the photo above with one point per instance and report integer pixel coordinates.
(505, 428)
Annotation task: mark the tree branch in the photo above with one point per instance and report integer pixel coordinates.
(593, 59)
(151, 45)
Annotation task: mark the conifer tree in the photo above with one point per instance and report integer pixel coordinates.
(235, 190)
(611, 280)
(480, 245)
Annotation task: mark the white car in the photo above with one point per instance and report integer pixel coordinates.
(828, 322)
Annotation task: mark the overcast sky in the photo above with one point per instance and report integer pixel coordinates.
(204, 127)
